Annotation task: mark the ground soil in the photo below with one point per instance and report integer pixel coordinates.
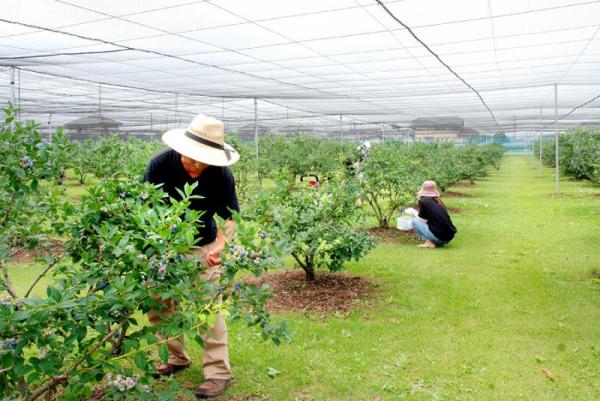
(329, 293)
(464, 183)
(453, 209)
(394, 236)
(24, 255)
(454, 194)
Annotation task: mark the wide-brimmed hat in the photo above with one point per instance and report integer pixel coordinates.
(429, 189)
(202, 140)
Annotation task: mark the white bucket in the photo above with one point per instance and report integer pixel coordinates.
(404, 223)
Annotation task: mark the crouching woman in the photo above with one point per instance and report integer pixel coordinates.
(433, 223)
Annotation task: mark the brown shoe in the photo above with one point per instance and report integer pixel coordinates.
(212, 387)
(167, 369)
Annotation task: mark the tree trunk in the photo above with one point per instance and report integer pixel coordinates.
(310, 273)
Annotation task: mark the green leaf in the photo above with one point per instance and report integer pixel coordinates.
(163, 352)
(53, 293)
(141, 361)
(272, 372)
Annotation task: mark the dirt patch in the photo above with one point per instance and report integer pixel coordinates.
(454, 194)
(454, 209)
(232, 398)
(329, 293)
(24, 255)
(393, 235)
(464, 183)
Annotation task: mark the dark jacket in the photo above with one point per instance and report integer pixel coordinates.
(437, 217)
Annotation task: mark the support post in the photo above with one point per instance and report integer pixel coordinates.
(177, 115)
(50, 127)
(541, 140)
(382, 134)
(19, 94)
(556, 131)
(151, 128)
(99, 99)
(256, 135)
(341, 131)
(12, 94)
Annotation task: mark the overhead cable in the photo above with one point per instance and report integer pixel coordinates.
(438, 58)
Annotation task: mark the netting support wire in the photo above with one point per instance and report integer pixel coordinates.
(541, 139)
(12, 93)
(556, 131)
(256, 135)
(341, 131)
(434, 54)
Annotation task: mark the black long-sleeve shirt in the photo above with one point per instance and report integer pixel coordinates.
(216, 187)
(437, 217)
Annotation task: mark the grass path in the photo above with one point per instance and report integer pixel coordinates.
(508, 311)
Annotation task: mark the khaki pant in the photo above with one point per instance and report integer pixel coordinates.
(215, 361)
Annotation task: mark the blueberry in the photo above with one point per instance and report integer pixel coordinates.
(173, 228)
(263, 234)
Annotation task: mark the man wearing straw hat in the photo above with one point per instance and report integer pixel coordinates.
(199, 155)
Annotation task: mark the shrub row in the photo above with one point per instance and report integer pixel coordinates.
(579, 153)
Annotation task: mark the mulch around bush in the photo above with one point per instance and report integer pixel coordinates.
(454, 209)
(464, 183)
(329, 293)
(24, 255)
(455, 194)
(394, 236)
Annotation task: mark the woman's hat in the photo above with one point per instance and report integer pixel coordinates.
(203, 142)
(428, 189)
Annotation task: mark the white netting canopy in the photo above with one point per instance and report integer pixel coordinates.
(153, 64)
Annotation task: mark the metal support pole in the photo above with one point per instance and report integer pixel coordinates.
(12, 94)
(50, 127)
(341, 131)
(151, 128)
(99, 99)
(556, 131)
(382, 134)
(19, 95)
(177, 115)
(541, 139)
(256, 135)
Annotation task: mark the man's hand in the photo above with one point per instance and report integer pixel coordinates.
(213, 257)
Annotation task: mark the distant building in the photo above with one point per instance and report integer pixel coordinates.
(91, 126)
(442, 129)
(246, 132)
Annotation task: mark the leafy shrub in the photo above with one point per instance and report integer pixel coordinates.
(127, 247)
(579, 153)
(29, 204)
(315, 224)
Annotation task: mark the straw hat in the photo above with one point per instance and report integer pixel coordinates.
(203, 141)
(428, 189)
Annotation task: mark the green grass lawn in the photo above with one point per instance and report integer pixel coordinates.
(508, 311)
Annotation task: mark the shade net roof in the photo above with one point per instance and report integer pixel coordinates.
(153, 64)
